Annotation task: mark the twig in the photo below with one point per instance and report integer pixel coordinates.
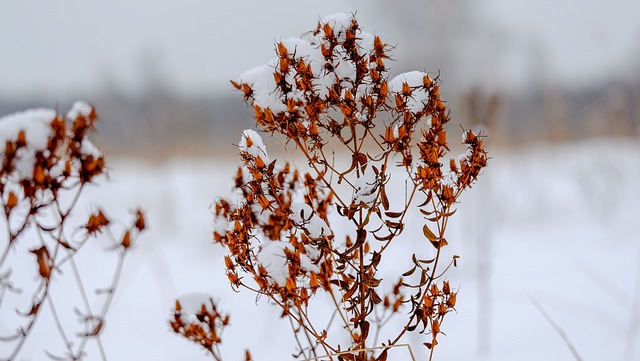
(87, 306)
(556, 327)
(634, 320)
(413, 358)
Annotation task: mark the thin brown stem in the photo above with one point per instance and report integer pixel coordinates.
(89, 315)
(24, 332)
(61, 331)
(295, 335)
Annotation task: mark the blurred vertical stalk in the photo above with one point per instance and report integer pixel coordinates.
(634, 321)
(484, 251)
(482, 112)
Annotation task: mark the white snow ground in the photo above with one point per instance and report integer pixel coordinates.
(561, 222)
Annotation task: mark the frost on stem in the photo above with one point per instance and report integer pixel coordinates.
(327, 228)
(46, 162)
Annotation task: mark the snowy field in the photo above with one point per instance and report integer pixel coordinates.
(550, 225)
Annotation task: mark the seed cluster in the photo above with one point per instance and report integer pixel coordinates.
(203, 326)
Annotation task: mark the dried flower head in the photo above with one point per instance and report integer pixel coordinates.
(196, 317)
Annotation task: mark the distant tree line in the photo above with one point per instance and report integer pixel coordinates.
(163, 123)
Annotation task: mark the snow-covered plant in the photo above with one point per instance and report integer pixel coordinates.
(320, 233)
(197, 318)
(46, 163)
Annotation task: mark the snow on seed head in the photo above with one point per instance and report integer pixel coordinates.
(251, 143)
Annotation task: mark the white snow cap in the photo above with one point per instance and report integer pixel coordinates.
(339, 21)
(191, 304)
(79, 108)
(266, 94)
(272, 257)
(220, 225)
(36, 124)
(261, 81)
(449, 178)
(251, 142)
(419, 96)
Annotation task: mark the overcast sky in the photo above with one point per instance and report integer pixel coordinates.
(48, 48)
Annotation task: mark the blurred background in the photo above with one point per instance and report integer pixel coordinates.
(158, 71)
(551, 225)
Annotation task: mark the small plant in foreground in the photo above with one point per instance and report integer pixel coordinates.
(200, 322)
(47, 161)
(321, 233)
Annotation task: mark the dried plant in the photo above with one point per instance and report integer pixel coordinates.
(295, 234)
(47, 163)
(197, 318)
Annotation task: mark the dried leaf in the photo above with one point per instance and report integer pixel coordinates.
(409, 272)
(430, 236)
(313, 281)
(451, 301)
(385, 238)
(446, 287)
(342, 284)
(384, 89)
(364, 326)
(375, 297)
(373, 282)
(282, 50)
(350, 293)
(347, 357)
(427, 213)
(33, 311)
(406, 89)
(140, 223)
(65, 244)
(435, 218)
(435, 327)
(449, 214)
(96, 222)
(12, 200)
(44, 261)
(393, 214)
(233, 278)
(427, 261)
(290, 284)
(383, 197)
(126, 240)
(361, 236)
(38, 174)
(96, 330)
(382, 356)
(375, 259)
(22, 139)
(426, 201)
